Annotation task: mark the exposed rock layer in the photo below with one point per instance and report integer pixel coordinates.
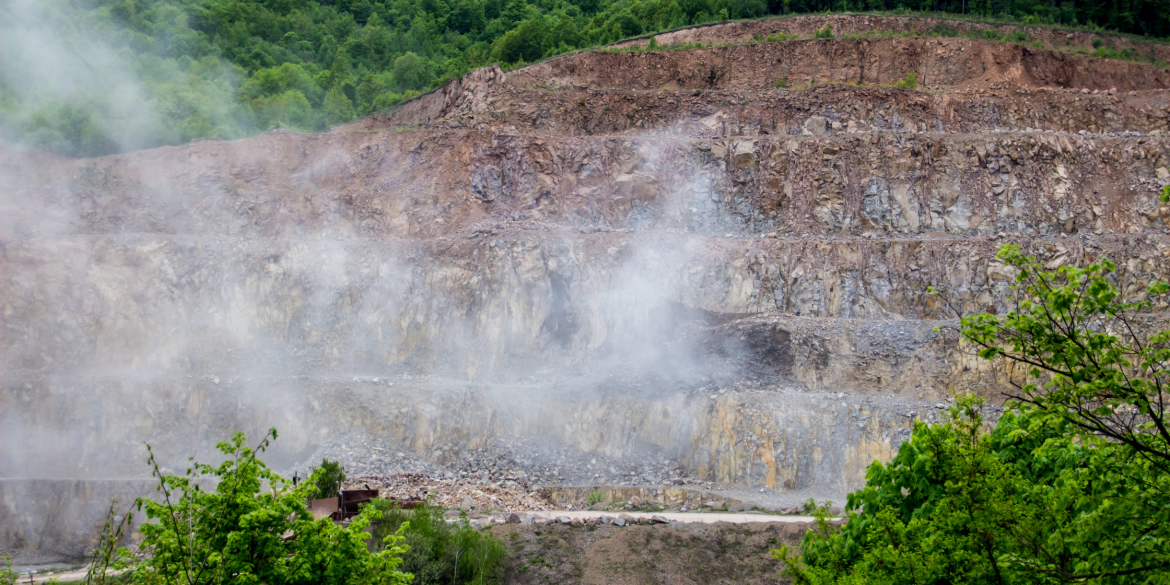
(730, 282)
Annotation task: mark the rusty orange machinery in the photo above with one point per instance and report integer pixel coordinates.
(348, 504)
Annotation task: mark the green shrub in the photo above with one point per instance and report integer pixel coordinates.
(653, 44)
(328, 481)
(781, 82)
(238, 534)
(824, 33)
(7, 575)
(595, 497)
(440, 552)
(944, 30)
(908, 82)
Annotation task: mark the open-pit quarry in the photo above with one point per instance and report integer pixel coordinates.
(699, 276)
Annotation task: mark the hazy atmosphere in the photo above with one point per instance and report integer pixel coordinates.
(660, 280)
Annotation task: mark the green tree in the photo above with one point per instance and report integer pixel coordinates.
(278, 80)
(7, 575)
(241, 534)
(441, 552)
(521, 44)
(1088, 363)
(466, 16)
(286, 110)
(338, 108)
(410, 72)
(327, 478)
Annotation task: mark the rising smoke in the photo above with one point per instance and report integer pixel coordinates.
(180, 327)
(143, 304)
(71, 82)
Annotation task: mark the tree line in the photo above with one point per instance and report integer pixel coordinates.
(231, 68)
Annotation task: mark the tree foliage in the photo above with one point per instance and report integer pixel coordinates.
(441, 552)
(1089, 364)
(328, 479)
(8, 576)
(240, 534)
(1071, 484)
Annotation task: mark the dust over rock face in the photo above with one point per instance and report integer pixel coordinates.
(648, 270)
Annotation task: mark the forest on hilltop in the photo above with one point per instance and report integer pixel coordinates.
(88, 78)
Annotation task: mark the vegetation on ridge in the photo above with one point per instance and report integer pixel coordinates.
(93, 77)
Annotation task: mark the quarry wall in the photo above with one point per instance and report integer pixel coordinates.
(643, 256)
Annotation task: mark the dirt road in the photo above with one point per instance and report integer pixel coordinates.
(683, 517)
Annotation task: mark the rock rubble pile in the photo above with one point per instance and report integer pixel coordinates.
(454, 494)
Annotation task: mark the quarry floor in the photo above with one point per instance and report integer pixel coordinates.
(692, 547)
(657, 553)
(682, 517)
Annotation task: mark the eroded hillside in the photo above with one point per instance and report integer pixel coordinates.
(656, 260)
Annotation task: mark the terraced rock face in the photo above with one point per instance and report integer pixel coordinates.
(658, 260)
(866, 26)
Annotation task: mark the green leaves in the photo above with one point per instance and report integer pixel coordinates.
(239, 534)
(328, 478)
(441, 551)
(1090, 364)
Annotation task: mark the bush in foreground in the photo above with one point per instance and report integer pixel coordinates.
(439, 551)
(240, 535)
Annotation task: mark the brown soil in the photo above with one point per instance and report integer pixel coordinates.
(422, 184)
(940, 63)
(513, 108)
(651, 554)
(803, 27)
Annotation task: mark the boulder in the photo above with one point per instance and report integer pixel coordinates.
(816, 125)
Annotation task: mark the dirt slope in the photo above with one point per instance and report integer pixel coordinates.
(939, 64)
(805, 27)
(637, 555)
